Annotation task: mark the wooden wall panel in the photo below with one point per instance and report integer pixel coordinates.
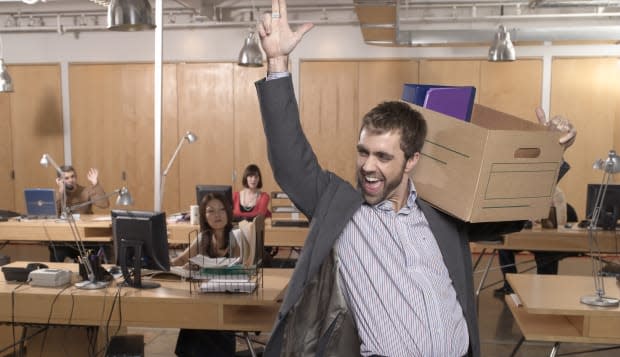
(97, 132)
(112, 126)
(383, 80)
(205, 97)
(250, 143)
(585, 90)
(511, 87)
(36, 123)
(328, 97)
(450, 72)
(7, 193)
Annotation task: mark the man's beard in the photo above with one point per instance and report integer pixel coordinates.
(388, 187)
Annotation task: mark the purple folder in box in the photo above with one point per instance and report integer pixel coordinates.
(456, 101)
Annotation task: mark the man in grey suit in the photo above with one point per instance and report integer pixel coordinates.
(381, 272)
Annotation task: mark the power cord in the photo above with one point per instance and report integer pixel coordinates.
(108, 339)
(13, 315)
(49, 317)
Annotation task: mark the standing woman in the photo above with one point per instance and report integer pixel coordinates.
(250, 202)
(214, 240)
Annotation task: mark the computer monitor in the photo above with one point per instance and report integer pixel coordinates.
(610, 209)
(203, 190)
(140, 241)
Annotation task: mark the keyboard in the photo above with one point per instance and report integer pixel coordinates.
(290, 223)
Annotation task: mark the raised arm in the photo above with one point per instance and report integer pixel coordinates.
(96, 191)
(294, 164)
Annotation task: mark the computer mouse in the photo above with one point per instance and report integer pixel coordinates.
(568, 225)
(35, 266)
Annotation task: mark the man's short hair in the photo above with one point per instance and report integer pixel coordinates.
(398, 116)
(65, 168)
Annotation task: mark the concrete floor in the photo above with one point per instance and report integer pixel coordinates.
(498, 331)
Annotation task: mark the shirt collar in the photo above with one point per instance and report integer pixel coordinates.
(387, 205)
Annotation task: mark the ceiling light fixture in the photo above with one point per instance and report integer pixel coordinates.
(502, 49)
(130, 15)
(251, 54)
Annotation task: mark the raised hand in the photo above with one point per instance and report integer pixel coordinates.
(277, 38)
(61, 184)
(561, 124)
(93, 176)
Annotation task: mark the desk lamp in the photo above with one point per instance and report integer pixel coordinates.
(45, 161)
(190, 137)
(609, 166)
(124, 199)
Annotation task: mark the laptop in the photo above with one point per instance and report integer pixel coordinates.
(40, 203)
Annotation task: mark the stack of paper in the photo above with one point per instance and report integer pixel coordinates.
(230, 286)
(204, 261)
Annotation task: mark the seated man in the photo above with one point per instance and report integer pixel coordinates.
(73, 194)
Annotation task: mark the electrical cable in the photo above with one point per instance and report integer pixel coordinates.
(13, 315)
(49, 317)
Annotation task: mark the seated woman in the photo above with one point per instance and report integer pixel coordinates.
(214, 240)
(250, 202)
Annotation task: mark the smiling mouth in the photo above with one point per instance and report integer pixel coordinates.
(371, 185)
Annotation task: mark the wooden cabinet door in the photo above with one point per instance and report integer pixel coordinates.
(585, 90)
(112, 127)
(7, 193)
(249, 136)
(383, 80)
(205, 106)
(328, 106)
(462, 72)
(512, 87)
(36, 126)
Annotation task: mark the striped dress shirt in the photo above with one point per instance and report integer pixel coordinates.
(397, 285)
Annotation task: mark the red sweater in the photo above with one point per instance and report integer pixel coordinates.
(261, 207)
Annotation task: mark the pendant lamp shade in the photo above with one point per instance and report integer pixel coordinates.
(502, 49)
(251, 54)
(130, 15)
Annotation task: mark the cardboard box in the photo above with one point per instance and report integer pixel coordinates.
(497, 167)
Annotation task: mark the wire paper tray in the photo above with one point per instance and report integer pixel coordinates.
(233, 279)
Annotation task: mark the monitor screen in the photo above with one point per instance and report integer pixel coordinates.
(610, 209)
(203, 190)
(142, 231)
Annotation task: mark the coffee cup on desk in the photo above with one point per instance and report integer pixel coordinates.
(193, 215)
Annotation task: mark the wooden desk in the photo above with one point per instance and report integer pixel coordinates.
(42, 230)
(274, 236)
(170, 306)
(561, 239)
(551, 310)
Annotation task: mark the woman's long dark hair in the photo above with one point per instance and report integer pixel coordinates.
(205, 229)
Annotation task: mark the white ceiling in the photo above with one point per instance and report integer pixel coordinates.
(419, 22)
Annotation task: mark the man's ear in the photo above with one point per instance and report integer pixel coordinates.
(411, 162)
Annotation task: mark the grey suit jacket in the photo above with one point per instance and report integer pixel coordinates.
(330, 202)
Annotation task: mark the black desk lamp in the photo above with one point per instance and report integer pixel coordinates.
(123, 199)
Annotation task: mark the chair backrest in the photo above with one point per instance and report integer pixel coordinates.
(259, 226)
(254, 235)
(571, 214)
